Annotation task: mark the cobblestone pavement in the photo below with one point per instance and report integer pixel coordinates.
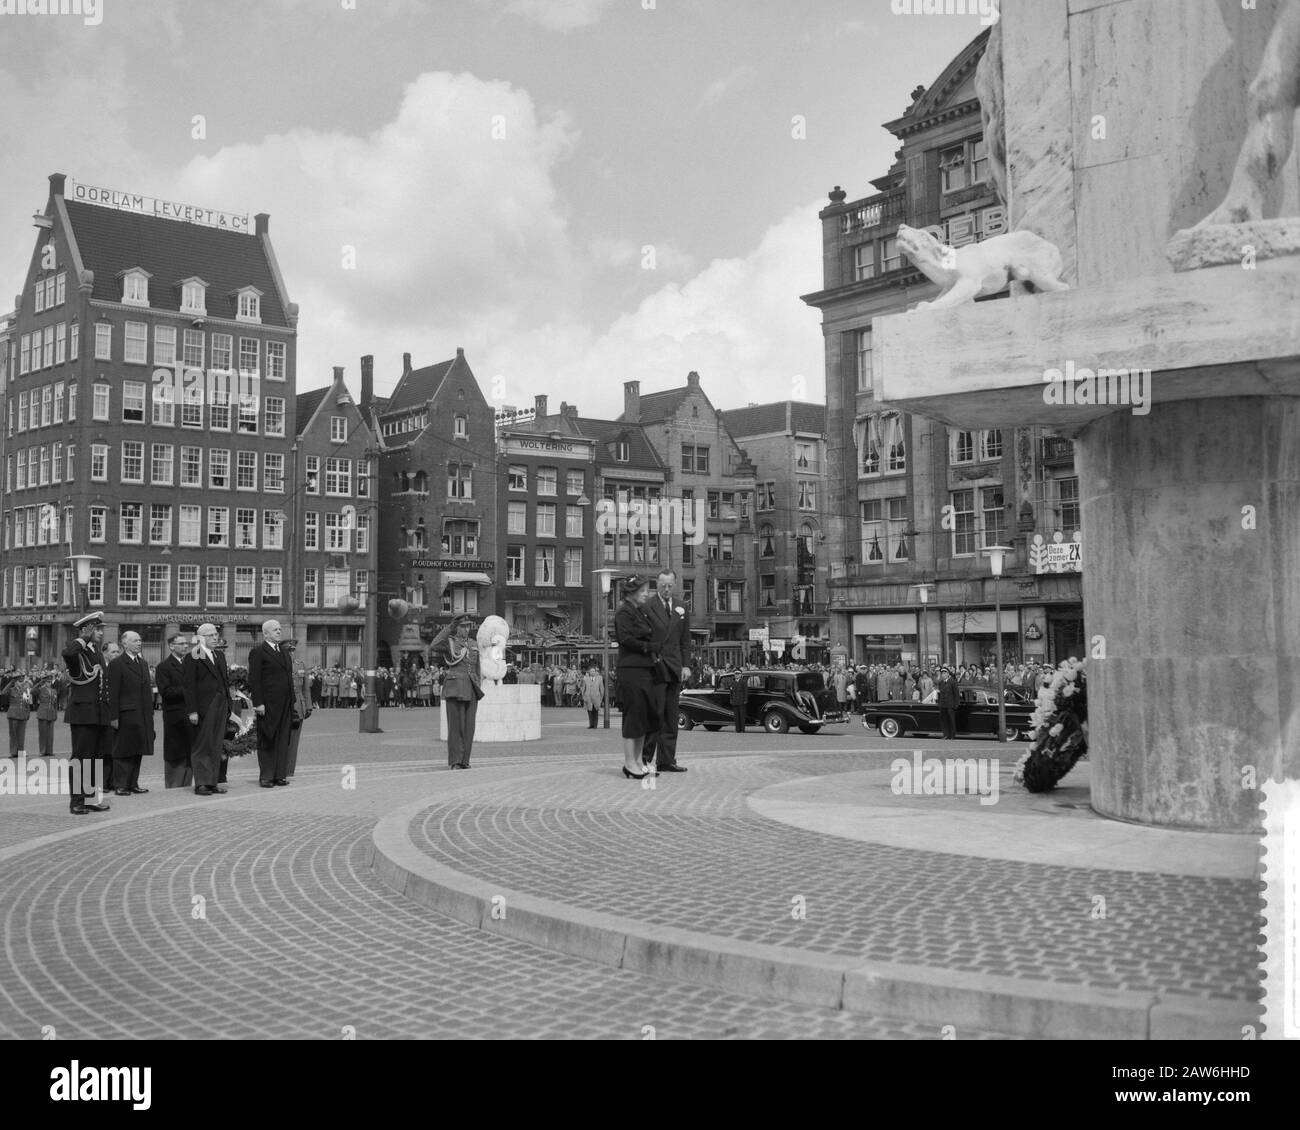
(689, 853)
(295, 937)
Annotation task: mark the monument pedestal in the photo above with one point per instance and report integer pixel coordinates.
(1190, 514)
(507, 712)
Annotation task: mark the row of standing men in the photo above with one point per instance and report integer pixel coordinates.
(110, 712)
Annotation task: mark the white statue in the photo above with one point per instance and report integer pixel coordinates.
(977, 269)
(492, 636)
(1274, 97)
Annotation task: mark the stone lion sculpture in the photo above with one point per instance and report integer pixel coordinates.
(492, 636)
(977, 269)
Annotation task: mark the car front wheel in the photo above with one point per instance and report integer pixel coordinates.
(774, 722)
(684, 721)
(889, 728)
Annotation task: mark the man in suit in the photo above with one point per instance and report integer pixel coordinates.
(456, 648)
(270, 678)
(206, 683)
(739, 700)
(177, 733)
(301, 702)
(87, 713)
(948, 699)
(672, 642)
(130, 713)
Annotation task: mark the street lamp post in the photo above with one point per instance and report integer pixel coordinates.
(81, 563)
(369, 720)
(996, 554)
(605, 575)
(923, 590)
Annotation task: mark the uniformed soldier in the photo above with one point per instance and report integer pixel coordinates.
(87, 714)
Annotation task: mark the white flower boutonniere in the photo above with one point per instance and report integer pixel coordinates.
(680, 610)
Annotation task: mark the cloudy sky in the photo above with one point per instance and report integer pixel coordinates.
(578, 192)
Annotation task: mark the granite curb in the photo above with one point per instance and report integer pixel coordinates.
(1032, 1009)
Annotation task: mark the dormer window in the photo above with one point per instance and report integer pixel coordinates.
(194, 296)
(622, 451)
(135, 287)
(248, 307)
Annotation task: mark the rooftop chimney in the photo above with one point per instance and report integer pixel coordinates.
(56, 183)
(539, 404)
(263, 223)
(460, 352)
(367, 381)
(338, 373)
(571, 411)
(693, 379)
(406, 363)
(632, 401)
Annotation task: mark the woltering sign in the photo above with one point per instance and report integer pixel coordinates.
(152, 206)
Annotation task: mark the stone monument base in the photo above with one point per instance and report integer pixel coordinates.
(1217, 244)
(507, 712)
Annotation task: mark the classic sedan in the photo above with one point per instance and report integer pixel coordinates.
(777, 700)
(977, 716)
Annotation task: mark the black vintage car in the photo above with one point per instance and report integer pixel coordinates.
(977, 715)
(777, 700)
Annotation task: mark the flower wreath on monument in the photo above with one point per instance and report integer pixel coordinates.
(1060, 722)
(241, 735)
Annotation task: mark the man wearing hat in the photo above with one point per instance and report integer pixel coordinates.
(87, 714)
(455, 649)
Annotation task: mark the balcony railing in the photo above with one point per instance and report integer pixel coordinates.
(873, 212)
(1057, 451)
(727, 569)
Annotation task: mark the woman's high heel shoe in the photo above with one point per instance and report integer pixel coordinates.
(634, 776)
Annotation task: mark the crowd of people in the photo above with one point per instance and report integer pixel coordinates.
(108, 694)
(856, 687)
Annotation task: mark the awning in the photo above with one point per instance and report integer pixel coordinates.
(453, 578)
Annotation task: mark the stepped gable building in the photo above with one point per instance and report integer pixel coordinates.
(148, 423)
(437, 501)
(912, 504)
(333, 548)
(570, 488)
(718, 564)
(786, 441)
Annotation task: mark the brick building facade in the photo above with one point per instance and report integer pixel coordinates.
(911, 502)
(148, 421)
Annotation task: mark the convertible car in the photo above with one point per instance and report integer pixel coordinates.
(777, 700)
(977, 715)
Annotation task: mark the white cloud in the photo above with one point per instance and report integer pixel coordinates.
(649, 256)
(738, 323)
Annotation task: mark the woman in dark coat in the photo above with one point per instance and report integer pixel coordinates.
(640, 683)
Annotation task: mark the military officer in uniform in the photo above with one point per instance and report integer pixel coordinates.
(87, 714)
(455, 647)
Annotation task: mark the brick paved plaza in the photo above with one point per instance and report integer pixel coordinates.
(301, 932)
